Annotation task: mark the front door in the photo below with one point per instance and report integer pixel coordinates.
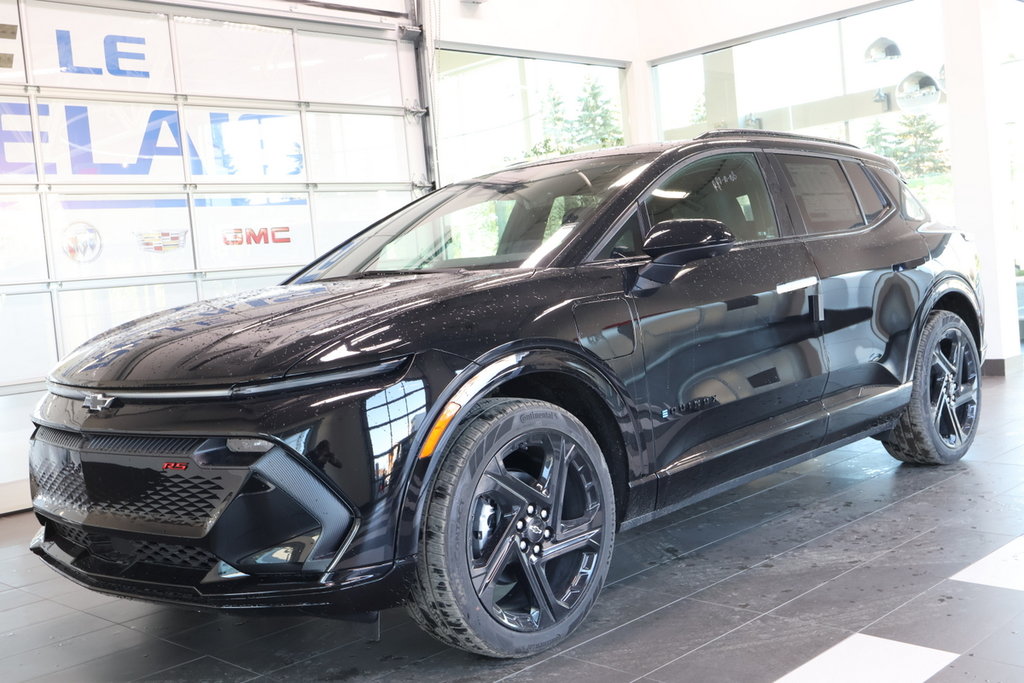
(734, 360)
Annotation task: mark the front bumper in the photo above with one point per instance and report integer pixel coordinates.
(352, 591)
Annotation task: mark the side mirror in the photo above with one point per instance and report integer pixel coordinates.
(674, 243)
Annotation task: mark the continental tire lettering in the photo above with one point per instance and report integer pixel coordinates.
(536, 415)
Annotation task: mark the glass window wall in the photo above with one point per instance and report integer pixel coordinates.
(874, 79)
(159, 157)
(494, 111)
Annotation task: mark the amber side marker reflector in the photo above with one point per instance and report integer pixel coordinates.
(437, 431)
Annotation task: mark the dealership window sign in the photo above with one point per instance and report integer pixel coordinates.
(83, 47)
(109, 141)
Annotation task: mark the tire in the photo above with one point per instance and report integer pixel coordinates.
(517, 534)
(939, 423)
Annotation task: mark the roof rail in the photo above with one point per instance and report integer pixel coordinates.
(758, 133)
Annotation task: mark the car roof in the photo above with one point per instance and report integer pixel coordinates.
(744, 136)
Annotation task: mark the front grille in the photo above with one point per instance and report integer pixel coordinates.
(156, 496)
(120, 482)
(119, 443)
(127, 552)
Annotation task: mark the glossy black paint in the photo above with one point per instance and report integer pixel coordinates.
(738, 362)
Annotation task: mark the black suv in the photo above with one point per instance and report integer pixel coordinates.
(460, 406)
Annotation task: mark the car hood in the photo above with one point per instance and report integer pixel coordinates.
(269, 333)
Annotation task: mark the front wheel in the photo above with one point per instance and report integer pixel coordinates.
(939, 423)
(518, 531)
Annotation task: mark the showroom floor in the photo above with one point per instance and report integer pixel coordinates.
(848, 567)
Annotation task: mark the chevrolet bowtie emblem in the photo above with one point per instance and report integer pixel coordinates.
(97, 402)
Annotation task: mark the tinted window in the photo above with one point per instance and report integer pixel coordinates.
(872, 202)
(822, 192)
(728, 188)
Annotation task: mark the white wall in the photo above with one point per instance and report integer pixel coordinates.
(671, 27)
(598, 29)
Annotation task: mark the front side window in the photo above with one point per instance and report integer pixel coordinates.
(822, 193)
(727, 188)
(626, 242)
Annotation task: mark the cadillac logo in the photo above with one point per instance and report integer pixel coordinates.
(82, 242)
(94, 403)
(159, 241)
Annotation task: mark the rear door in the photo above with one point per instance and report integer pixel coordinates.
(867, 256)
(734, 363)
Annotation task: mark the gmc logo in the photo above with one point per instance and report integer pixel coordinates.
(238, 236)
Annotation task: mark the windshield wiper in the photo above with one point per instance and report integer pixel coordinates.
(384, 273)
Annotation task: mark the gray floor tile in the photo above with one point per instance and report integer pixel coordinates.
(231, 630)
(206, 669)
(954, 616)
(57, 657)
(762, 650)
(1005, 645)
(128, 664)
(15, 597)
(24, 639)
(296, 644)
(645, 644)
(564, 667)
(364, 660)
(859, 597)
(968, 669)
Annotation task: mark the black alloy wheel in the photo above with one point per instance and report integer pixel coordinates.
(940, 422)
(518, 532)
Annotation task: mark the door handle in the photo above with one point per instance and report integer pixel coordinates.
(794, 285)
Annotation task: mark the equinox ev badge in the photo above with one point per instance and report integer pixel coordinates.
(97, 402)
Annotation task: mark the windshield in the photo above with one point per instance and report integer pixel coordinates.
(510, 219)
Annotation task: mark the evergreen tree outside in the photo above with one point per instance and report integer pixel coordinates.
(881, 141)
(596, 125)
(918, 148)
(915, 146)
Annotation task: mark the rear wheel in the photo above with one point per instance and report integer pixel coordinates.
(939, 423)
(518, 531)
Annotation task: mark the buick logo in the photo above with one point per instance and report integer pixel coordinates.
(97, 402)
(82, 242)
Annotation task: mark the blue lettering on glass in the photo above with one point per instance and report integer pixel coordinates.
(149, 147)
(83, 163)
(115, 55)
(67, 60)
(20, 137)
(111, 51)
(80, 144)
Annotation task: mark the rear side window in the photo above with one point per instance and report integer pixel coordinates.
(910, 207)
(872, 202)
(822, 192)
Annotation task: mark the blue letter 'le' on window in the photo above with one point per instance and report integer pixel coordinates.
(115, 55)
(112, 52)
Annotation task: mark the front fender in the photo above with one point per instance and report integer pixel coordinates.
(482, 378)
